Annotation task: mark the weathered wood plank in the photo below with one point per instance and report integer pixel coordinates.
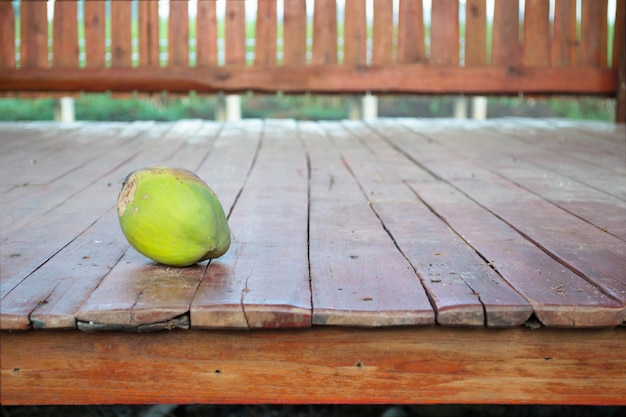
(382, 33)
(33, 35)
(178, 34)
(444, 33)
(591, 254)
(462, 287)
(65, 35)
(294, 33)
(149, 33)
(319, 78)
(7, 35)
(95, 52)
(355, 33)
(505, 39)
(121, 48)
(321, 365)
(265, 33)
(324, 33)
(565, 39)
(411, 47)
(358, 277)
(235, 35)
(536, 45)
(593, 33)
(206, 34)
(475, 33)
(264, 278)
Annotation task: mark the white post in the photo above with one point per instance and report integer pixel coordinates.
(370, 107)
(479, 108)
(460, 108)
(64, 110)
(228, 107)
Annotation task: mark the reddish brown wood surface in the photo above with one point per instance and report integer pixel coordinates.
(265, 35)
(565, 40)
(444, 33)
(148, 27)
(464, 223)
(593, 33)
(382, 33)
(206, 34)
(294, 32)
(95, 52)
(411, 32)
(65, 35)
(536, 46)
(319, 365)
(178, 34)
(505, 38)
(324, 33)
(34, 35)
(476, 33)
(121, 48)
(235, 38)
(319, 78)
(355, 33)
(7, 35)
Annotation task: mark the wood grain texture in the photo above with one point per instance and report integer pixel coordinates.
(7, 35)
(536, 44)
(444, 33)
(33, 35)
(265, 33)
(148, 33)
(324, 33)
(95, 52)
(358, 277)
(319, 365)
(235, 34)
(320, 79)
(411, 47)
(178, 34)
(206, 34)
(65, 35)
(294, 33)
(505, 45)
(475, 33)
(383, 33)
(121, 48)
(355, 33)
(593, 33)
(565, 39)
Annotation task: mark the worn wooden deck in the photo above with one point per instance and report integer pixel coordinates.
(398, 222)
(391, 249)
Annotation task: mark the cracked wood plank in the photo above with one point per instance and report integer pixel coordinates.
(263, 280)
(358, 276)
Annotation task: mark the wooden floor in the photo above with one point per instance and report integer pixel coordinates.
(394, 222)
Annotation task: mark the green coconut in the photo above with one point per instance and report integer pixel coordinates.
(171, 216)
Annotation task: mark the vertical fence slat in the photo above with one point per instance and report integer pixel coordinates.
(355, 33)
(411, 32)
(593, 33)
(178, 34)
(148, 33)
(382, 42)
(564, 39)
(94, 34)
(121, 50)
(475, 33)
(235, 38)
(7, 35)
(444, 32)
(536, 49)
(505, 39)
(34, 34)
(324, 32)
(294, 32)
(206, 34)
(65, 35)
(265, 33)
(619, 34)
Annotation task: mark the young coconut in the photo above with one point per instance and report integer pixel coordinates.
(171, 216)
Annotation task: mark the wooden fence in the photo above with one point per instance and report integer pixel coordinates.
(401, 51)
